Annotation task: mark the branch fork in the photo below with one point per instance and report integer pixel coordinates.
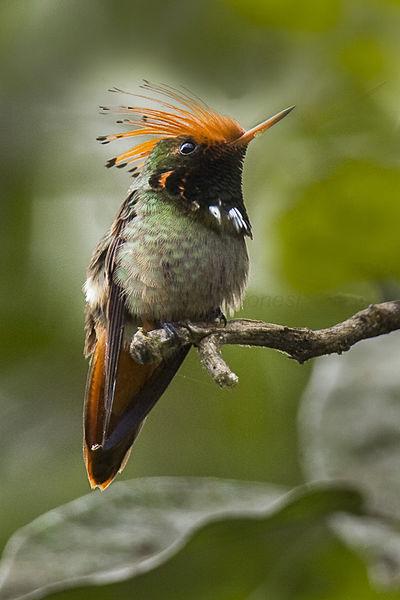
(298, 343)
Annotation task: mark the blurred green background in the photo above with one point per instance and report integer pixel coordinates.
(322, 190)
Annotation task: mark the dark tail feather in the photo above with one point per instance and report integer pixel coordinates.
(138, 388)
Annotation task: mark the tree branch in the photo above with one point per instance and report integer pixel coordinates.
(299, 343)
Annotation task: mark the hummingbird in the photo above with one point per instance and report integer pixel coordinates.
(176, 252)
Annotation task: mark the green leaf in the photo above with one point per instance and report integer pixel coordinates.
(135, 527)
(350, 430)
(340, 230)
(307, 16)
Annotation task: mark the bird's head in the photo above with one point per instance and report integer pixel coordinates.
(194, 154)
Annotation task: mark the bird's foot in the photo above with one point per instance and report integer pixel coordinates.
(218, 316)
(170, 330)
(176, 336)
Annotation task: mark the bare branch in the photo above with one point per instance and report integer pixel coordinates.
(210, 357)
(298, 343)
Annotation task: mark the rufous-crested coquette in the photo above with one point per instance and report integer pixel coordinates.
(176, 252)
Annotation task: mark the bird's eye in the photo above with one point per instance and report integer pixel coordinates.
(187, 147)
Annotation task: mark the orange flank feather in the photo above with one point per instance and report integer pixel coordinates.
(191, 118)
(103, 465)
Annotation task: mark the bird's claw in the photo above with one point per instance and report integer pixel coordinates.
(219, 316)
(170, 330)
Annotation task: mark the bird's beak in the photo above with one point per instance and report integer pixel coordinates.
(249, 135)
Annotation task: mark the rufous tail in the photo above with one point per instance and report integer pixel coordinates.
(108, 437)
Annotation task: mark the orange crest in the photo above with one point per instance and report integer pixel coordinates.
(187, 116)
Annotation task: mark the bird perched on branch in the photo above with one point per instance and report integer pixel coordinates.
(176, 252)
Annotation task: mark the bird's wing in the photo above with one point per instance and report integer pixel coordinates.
(119, 392)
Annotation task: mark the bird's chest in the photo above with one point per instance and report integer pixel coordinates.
(172, 267)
